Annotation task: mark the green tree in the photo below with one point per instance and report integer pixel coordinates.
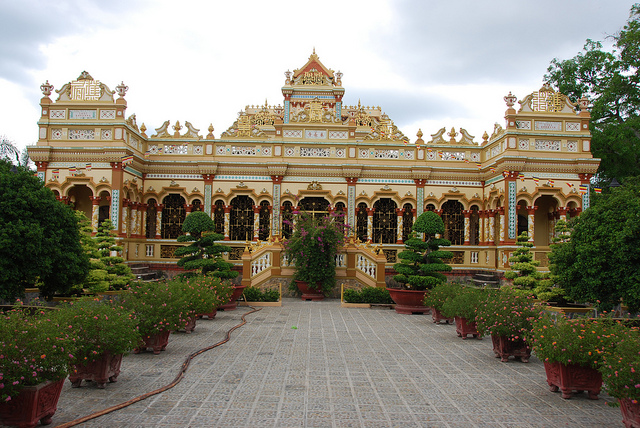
(527, 280)
(610, 81)
(118, 274)
(39, 238)
(421, 262)
(203, 254)
(600, 263)
(96, 279)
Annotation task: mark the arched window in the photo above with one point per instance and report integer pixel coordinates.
(152, 215)
(315, 206)
(287, 219)
(453, 222)
(430, 207)
(173, 216)
(218, 216)
(241, 218)
(104, 210)
(385, 221)
(340, 213)
(407, 221)
(523, 217)
(263, 233)
(196, 205)
(474, 226)
(361, 222)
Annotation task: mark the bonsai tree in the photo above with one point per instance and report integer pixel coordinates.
(421, 262)
(96, 279)
(39, 237)
(203, 254)
(108, 270)
(600, 263)
(523, 272)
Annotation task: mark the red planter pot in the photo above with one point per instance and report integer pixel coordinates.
(505, 347)
(191, 324)
(464, 327)
(158, 342)
(308, 293)
(570, 378)
(409, 301)
(32, 404)
(232, 304)
(106, 368)
(210, 315)
(630, 413)
(437, 316)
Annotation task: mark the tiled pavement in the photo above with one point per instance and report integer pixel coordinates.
(315, 364)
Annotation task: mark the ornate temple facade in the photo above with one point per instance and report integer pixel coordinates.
(317, 153)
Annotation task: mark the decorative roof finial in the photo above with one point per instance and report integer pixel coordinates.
(46, 88)
(122, 89)
(510, 99)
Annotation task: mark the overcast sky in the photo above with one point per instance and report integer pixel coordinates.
(428, 64)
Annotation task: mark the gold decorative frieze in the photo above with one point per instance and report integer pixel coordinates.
(84, 88)
(547, 100)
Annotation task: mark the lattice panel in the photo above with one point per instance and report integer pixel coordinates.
(550, 145)
(387, 154)
(168, 251)
(176, 149)
(457, 259)
(524, 144)
(391, 255)
(106, 134)
(107, 114)
(243, 151)
(236, 253)
(82, 134)
(572, 126)
(572, 146)
(315, 152)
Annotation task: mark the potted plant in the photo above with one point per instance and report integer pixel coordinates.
(105, 333)
(199, 295)
(159, 310)
(421, 264)
(572, 350)
(312, 249)
(620, 370)
(507, 316)
(36, 357)
(203, 255)
(462, 308)
(437, 297)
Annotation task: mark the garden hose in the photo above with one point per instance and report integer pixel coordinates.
(176, 380)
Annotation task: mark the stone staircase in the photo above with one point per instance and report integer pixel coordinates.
(143, 273)
(486, 279)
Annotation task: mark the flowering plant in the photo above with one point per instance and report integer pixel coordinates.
(580, 341)
(464, 303)
(506, 313)
(313, 246)
(158, 306)
(621, 366)
(439, 294)
(100, 326)
(201, 294)
(33, 349)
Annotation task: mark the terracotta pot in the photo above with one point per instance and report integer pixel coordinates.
(572, 377)
(464, 327)
(309, 293)
(437, 316)
(191, 324)
(32, 404)
(158, 342)
(232, 304)
(505, 347)
(409, 301)
(106, 368)
(630, 413)
(210, 315)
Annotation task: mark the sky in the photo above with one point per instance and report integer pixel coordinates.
(427, 63)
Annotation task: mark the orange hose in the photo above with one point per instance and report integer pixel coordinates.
(176, 380)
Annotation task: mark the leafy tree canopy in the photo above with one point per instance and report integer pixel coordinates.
(600, 263)
(39, 238)
(610, 80)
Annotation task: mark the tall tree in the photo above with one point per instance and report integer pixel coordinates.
(600, 263)
(39, 238)
(610, 80)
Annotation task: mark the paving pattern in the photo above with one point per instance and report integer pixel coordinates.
(315, 364)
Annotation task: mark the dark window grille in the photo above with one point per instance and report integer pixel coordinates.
(474, 226)
(287, 219)
(218, 216)
(241, 218)
(385, 221)
(340, 212)
(152, 215)
(196, 205)
(453, 222)
(265, 212)
(407, 221)
(361, 222)
(315, 206)
(173, 216)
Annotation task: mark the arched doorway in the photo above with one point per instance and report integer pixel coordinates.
(544, 220)
(80, 199)
(173, 216)
(241, 218)
(453, 222)
(385, 221)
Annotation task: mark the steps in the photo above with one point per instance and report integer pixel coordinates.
(143, 273)
(486, 279)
